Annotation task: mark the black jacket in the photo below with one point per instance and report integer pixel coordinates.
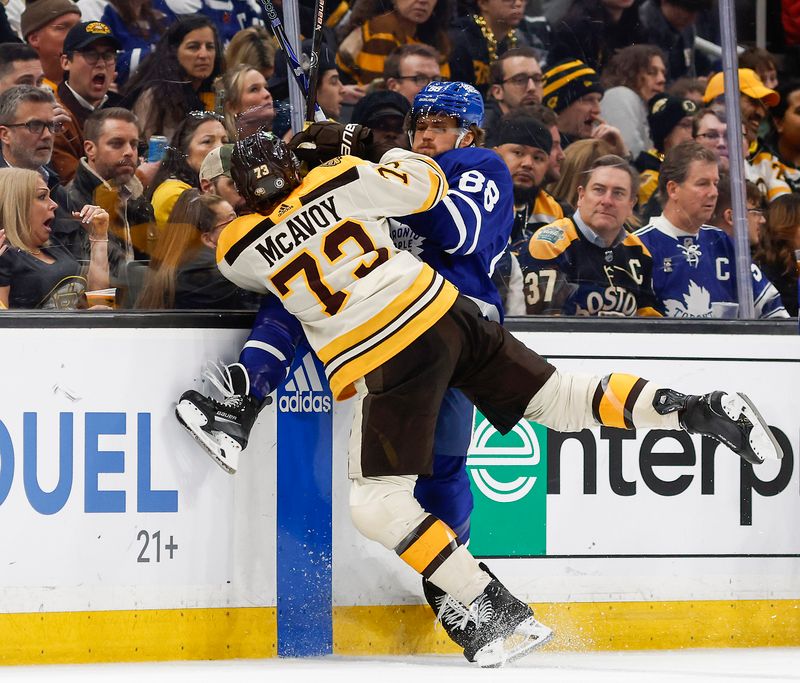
(130, 217)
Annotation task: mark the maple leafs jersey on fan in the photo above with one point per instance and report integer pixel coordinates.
(691, 273)
(463, 237)
(564, 272)
(325, 252)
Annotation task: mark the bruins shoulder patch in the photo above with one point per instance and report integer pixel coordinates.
(550, 233)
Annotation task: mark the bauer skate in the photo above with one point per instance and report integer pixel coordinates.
(222, 428)
(731, 419)
(496, 629)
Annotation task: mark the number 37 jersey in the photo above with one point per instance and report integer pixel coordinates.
(327, 254)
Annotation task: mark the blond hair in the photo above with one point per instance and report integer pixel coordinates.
(192, 215)
(16, 197)
(231, 83)
(578, 159)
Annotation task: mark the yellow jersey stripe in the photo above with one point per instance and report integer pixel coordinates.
(375, 352)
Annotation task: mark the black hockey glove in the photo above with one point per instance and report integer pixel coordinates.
(323, 141)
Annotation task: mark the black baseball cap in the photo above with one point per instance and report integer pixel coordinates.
(87, 33)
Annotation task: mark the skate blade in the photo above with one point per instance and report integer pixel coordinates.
(762, 440)
(528, 636)
(185, 413)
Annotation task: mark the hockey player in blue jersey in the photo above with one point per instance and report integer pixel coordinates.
(462, 238)
(694, 264)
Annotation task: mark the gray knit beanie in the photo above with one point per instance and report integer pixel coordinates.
(40, 12)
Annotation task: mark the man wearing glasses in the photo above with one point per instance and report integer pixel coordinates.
(28, 127)
(516, 81)
(409, 68)
(89, 62)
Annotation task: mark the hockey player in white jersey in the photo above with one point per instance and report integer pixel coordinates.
(395, 335)
(694, 264)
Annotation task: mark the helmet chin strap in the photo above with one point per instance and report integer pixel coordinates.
(460, 137)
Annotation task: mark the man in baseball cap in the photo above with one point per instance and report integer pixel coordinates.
(383, 111)
(43, 25)
(89, 63)
(761, 166)
(754, 99)
(215, 177)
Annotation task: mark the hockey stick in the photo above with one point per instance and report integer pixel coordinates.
(292, 62)
(313, 70)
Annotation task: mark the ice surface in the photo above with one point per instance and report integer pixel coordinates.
(666, 666)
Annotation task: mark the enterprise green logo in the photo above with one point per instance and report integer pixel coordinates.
(508, 475)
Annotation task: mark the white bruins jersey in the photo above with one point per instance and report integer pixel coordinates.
(327, 254)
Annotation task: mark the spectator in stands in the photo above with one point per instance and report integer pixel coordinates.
(255, 47)
(106, 177)
(44, 25)
(176, 77)
(754, 204)
(231, 16)
(762, 166)
(777, 248)
(712, 132)
(670, 120)
(694, 264)
(195, 137)
(516, 81)
(90, 52)
(7, 34)
(633, 76)
(19, 65)
(589, 264)
(383, 112)
(330, 91)
(524, 144)
(573, 91)
(578, 159)
(183, 272)
(215, 177)
(763, 63)
(409, 68)
(548, 117)
(593, 31)
(670, 24)
(688, 89)
(786, 139)
(28, 127)
(37, 271)
(367, 37)
(481, 38)
(244, 87)
(138, 26)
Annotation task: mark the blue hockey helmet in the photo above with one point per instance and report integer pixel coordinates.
(456, 99)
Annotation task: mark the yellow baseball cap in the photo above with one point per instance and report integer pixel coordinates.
(749, 84)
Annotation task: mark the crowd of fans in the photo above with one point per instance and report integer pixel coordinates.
(117, 118)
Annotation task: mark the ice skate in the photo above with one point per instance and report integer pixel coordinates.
(222, 428)
(496, 629)
(731, 419)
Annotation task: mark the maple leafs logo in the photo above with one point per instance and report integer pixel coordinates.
(696, 303)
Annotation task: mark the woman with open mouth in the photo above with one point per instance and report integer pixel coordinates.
(37, 271)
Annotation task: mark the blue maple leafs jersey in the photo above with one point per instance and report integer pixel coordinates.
(691, 273)
(464, 236)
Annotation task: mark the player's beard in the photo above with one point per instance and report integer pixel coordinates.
(525, 195)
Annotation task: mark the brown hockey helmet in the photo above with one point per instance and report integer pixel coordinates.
(264, 170)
